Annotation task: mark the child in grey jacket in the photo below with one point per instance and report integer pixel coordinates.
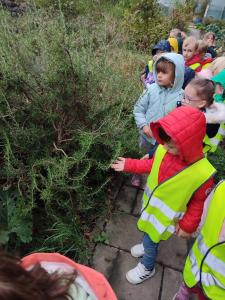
(161, 97)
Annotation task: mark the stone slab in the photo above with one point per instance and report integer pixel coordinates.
(138, 203)
(122, 231)
(171, 282)
(126, 198)
(149, 289)
(173, 252)
(104, 258)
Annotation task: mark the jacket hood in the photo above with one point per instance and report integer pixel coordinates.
(220, 78)
(178, 61)
(187, 127)
(162, 45)
(173, 44)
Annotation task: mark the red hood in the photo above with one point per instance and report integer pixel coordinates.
(195, 59)
(186, 126)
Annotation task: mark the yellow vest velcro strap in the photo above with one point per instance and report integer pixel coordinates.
(165, 209)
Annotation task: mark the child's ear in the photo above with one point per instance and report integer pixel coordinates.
(202, 104)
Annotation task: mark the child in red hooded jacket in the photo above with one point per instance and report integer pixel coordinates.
(177, 186)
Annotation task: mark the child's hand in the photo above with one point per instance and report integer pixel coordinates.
(147, 131)
(181, 233)
(119, 164)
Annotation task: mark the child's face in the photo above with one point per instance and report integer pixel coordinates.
(190, 98)
(171, 147)
(165, 79)
(209, 40)
(188, 51)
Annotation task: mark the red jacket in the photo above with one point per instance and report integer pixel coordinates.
(186, 126)
(197, 59)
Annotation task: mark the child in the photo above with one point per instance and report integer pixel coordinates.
(147, 77)
(219, 80)
(161, 97)
(46, 276)
(204, 271)
(176, 187)
(210, 38)
(199, 94)
(191, 57)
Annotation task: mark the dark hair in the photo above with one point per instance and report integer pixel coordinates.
(165, 66)
(17, 283)
(163, 135)
(205, 88)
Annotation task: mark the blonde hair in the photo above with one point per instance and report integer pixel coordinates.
(208, 34)
(202, 47)
(191, 40)
(217, 65)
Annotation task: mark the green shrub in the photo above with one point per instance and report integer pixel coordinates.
(67, 90)
(147, 24)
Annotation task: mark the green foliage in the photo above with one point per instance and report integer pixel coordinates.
(181, 14)
(218, 27)
(147, 24)
(101, 237)
(68, 7)
(67, 89)
(218, 161)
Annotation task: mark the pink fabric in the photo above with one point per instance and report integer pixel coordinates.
(205, 74)
(96, 280)
(185, 292)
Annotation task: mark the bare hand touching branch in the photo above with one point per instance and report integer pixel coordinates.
(119, 164)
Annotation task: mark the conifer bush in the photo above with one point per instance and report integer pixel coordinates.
(65, 115)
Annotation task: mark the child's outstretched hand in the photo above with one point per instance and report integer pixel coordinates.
(147, 131)
(181, 233)
(119, 164)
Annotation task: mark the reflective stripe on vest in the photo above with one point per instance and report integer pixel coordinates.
(213, 269)
(211, 144)
(165, 203)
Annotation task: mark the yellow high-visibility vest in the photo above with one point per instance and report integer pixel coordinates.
(213, 265)
(150, 65)
(165, 203)
(211, 144)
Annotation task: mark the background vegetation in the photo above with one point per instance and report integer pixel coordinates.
(69, 77)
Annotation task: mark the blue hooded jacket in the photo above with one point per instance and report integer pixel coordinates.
(162, 45)
(158, 101)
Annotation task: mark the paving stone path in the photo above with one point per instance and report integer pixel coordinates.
(113, 258)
